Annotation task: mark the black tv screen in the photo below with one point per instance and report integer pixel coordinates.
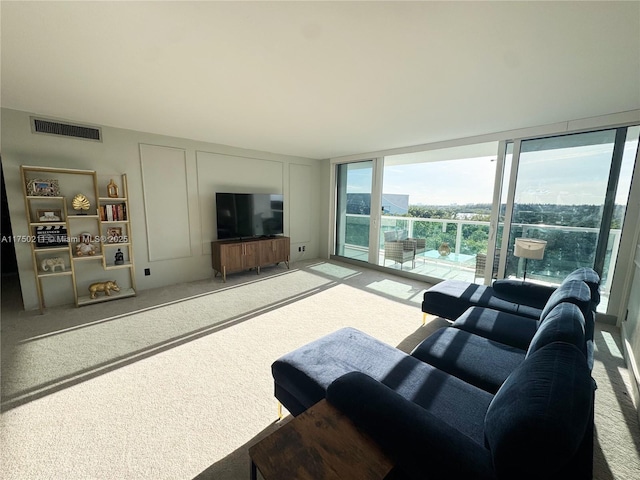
(241, 215)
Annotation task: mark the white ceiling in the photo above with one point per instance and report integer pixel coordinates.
(321, 79)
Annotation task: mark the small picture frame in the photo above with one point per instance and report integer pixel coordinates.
(114, 235)
(43, 188)
(49, 215)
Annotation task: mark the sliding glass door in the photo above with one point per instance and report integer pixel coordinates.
(353, 209)
(440, 202)
(568, 191)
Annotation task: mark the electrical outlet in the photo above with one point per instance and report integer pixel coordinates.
(147, 272)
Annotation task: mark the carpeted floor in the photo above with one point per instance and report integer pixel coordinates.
(176, 383)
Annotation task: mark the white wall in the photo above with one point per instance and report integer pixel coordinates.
(206, 168)
(631, 328)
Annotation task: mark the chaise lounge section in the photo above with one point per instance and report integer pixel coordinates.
(451, 298)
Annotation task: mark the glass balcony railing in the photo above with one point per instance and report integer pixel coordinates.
(567, 247)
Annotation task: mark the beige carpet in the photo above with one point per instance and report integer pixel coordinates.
(128, 390)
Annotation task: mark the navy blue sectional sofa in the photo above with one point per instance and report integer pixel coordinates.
(481, 399)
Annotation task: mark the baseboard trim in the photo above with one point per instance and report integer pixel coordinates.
(632, 367)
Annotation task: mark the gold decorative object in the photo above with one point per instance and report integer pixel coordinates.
(112, 189)
(80, 202)
(444, 249)
(105, 287)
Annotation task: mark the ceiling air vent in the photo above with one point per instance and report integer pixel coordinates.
(49, 127)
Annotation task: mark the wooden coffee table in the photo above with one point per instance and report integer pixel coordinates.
(319, 443)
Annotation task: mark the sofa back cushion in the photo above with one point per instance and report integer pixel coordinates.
(591, 278)
(565, 323)
(521, 291)
(574, 291)
(538, 418)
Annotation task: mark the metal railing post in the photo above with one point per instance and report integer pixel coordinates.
(458, 236)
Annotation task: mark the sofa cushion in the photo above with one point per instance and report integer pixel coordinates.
(442, 395)
(537, 420)
(536, 295)
(500, 326)
(449, 299)
(574, 291)
(472, 358)
(461, 405)
(564, 323)
(521, 291)
(423, 444)
(591, 278)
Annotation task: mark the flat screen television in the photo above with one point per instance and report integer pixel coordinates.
(244, 215)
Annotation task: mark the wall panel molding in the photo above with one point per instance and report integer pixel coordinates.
(166, 201)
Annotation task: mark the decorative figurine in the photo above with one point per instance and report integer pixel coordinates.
(80, 203)
(112, 189)
(105, 287)
(49, 217)
(119, 258)
(85, 247)
(52, 263)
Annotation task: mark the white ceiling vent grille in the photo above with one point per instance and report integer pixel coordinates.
(49, 127)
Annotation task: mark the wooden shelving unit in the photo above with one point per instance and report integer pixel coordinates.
(55, 241)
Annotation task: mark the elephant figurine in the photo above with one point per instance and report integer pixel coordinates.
(105, 287)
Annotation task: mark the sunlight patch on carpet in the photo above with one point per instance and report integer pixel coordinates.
(403, 291)
(333, 270)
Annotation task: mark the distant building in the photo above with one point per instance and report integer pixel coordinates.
(359, 203)
(392, 204)
(395, 204)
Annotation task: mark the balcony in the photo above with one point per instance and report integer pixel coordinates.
(567, 249)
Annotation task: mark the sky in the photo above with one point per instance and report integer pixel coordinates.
(572, 176)
(443, 183)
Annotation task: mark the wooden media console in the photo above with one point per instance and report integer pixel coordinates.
(228, 256)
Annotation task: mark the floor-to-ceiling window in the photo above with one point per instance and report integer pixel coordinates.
(456, 212)
(569, 191)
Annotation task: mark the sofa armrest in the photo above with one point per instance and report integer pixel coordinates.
(420, 442)
(523, 293)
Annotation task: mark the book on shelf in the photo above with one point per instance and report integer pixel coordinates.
(113, 213)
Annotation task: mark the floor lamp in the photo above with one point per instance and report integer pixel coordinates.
(529, 249)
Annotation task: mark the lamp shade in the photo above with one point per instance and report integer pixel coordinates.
(530, 248)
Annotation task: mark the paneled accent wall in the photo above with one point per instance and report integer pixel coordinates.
(172, 184)
(300, 210)
(166, 206)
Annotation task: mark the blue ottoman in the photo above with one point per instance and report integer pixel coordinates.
(302, 376)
